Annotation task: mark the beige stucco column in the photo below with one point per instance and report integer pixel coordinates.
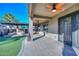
(30, 38)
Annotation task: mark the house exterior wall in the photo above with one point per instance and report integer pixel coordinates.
(53, 24)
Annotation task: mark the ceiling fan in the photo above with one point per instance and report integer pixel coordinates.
(55, 7)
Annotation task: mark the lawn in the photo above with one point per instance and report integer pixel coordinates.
(11, 47)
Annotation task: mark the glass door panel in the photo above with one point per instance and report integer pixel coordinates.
(77, 31)
(61, 30)
(67, 31)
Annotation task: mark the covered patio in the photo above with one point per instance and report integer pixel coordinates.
(48, 22)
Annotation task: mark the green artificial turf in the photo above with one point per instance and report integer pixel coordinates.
(11, 47)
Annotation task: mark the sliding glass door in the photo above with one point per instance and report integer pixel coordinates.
(69, 29)
(65, 30)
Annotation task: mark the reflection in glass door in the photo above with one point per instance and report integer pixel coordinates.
(61, 30)
(77, 25)
(75, 32)
(67, 31)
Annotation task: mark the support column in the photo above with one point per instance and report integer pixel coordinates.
(30, 30)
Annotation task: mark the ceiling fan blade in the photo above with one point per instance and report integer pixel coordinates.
(49, 6)
(60, 9)
(59, 5)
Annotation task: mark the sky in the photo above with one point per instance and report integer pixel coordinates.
(19, 10)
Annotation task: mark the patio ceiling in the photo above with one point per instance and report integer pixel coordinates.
(38, 11)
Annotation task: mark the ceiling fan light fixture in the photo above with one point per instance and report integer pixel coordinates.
(54, 10)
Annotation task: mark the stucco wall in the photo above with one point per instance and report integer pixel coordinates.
(53, 24)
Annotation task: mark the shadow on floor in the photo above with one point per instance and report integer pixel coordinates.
(39, 37)
(68, 51)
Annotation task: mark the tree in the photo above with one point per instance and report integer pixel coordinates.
(9, 17)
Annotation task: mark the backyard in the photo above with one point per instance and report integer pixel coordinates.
(11, 46)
